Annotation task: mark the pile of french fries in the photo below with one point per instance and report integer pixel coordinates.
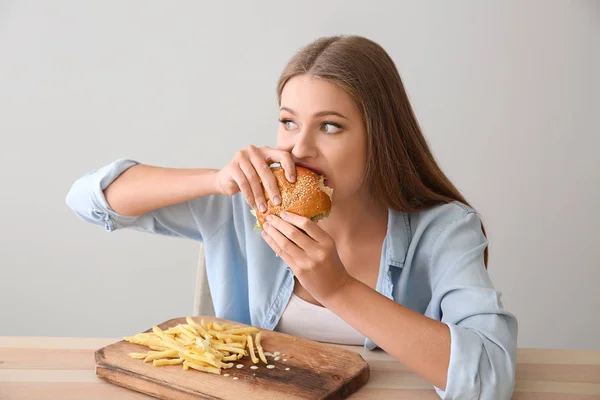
(210, 347)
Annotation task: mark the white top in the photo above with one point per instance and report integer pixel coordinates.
(309, 321)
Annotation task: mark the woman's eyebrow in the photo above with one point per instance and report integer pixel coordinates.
(319, 114)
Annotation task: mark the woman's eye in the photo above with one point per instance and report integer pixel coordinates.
(288, 124)
(330, 127)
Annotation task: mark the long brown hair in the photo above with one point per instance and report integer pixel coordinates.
(401, 170)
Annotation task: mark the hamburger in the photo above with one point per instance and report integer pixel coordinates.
(307, 197)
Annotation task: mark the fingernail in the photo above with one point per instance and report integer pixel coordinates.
(277, 200)
(266, 225)
(270, 218)
(262, 208)
(283, 215)
(292, 178)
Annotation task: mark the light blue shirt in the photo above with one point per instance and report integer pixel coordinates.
(432, 263)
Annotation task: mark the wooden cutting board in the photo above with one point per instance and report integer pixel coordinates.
(316, 371)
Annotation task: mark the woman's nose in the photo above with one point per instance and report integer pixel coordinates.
(304, 147)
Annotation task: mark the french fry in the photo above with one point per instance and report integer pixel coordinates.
(234, 338)
(171, 344)
(216, 353)
(157, 355)
(191, 329)
(229, 349)
(261, 353)
(200, 328)
(158, 348)
(200, 346)
(158, 332)
(251, 350)
(138, 356)
(237, 331)
(183, 341)
(137, 339)
(212, 370)
(187, 333)
(173, 361)
(218, 327)
(200, 360)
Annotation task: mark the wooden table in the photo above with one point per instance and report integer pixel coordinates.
(63, 368)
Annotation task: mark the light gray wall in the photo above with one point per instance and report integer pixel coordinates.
(507, 94)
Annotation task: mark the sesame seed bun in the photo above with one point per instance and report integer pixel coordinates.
(308, 196)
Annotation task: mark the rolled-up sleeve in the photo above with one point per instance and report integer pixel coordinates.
(194, 219)
(483, 334)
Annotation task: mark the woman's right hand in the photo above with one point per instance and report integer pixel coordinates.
(249, 168)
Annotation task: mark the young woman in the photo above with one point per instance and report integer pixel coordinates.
(399, 264)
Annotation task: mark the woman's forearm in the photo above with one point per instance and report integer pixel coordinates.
(419, 342)
(145, 188)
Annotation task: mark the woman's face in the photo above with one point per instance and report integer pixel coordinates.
(323, 130)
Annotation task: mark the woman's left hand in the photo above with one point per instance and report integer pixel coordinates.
(309, 251)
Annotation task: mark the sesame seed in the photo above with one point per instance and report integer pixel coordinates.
(254, 367)
(239, 366)
(235, 378)
(287, 369)
(270, 366)
(226, 375)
